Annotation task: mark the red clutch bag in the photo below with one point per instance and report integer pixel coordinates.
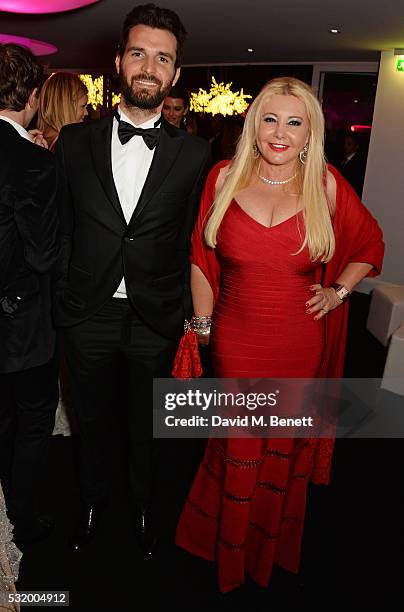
(187, 362)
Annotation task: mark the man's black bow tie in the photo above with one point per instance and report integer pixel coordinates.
(126, 131)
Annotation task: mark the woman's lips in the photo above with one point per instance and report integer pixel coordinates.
(278, 148)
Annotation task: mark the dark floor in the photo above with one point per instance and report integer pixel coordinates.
(351, 533)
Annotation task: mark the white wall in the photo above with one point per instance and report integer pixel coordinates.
(383, 191)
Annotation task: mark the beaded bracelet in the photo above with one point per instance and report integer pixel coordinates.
(201, 325)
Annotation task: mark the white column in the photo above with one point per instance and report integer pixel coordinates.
(383, 191)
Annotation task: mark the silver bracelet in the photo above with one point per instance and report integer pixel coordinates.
(201, 325)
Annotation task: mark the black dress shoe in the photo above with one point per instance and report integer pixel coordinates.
(146, 531)
(87, 526)
(34, 530)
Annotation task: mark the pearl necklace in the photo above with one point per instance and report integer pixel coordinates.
(271, 182)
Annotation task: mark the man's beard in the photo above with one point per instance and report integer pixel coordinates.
(143, 98)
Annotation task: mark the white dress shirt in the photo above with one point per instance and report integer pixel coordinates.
(347, 159)
(130, 166)
(22, 131)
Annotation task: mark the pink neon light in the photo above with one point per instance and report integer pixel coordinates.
(38, 47)
(42, 6)
(360, 128)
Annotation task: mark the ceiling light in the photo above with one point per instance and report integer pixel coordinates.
(334, 31)
(42, 6)
(38, 47)
(250, 50)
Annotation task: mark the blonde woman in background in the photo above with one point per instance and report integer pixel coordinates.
(64, 99)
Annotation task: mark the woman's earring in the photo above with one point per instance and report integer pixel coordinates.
(303, 154)
(256, 150)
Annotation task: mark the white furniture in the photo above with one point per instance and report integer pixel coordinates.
(393, 376)
(386, 313)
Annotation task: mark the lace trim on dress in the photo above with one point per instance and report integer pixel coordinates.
(264, 532)
(233, 547)
(241, 463)
(10, 555)
(237, 499)
(199, 510)
(270, 485)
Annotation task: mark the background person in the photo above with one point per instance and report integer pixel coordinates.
(353, 163)
(175, 107)
(29, 247)
(10, 558)
(63, 100)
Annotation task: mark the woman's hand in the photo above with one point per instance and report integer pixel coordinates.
(324, 300)
(38, 138)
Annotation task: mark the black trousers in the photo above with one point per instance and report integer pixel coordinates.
(28, 402)
(96, 352)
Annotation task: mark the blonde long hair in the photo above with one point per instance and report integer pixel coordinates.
(319, 234)
(58, 103)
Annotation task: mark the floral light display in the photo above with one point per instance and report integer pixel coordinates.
(116, 98)
(95, 88)
(219, 100)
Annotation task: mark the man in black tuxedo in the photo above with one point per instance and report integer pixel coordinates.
(28, 253)
(129, 205)
(353, 165)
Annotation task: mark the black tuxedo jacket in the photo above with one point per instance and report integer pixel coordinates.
(28, 251)
(354, 172)
(151, 251)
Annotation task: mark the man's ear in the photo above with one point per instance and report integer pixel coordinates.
(176, 77)
(33, 98)
(117, 64)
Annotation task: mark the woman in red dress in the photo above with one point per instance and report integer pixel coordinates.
(280, 243)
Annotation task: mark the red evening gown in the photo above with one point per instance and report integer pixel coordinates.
(260, 326)
(247, 503)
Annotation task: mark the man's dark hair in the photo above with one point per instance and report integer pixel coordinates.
(20, 73)
(354, 136)
(179, 92)
(154, 17)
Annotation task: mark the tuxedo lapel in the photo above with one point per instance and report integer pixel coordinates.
(169, 146)
(101, 152)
